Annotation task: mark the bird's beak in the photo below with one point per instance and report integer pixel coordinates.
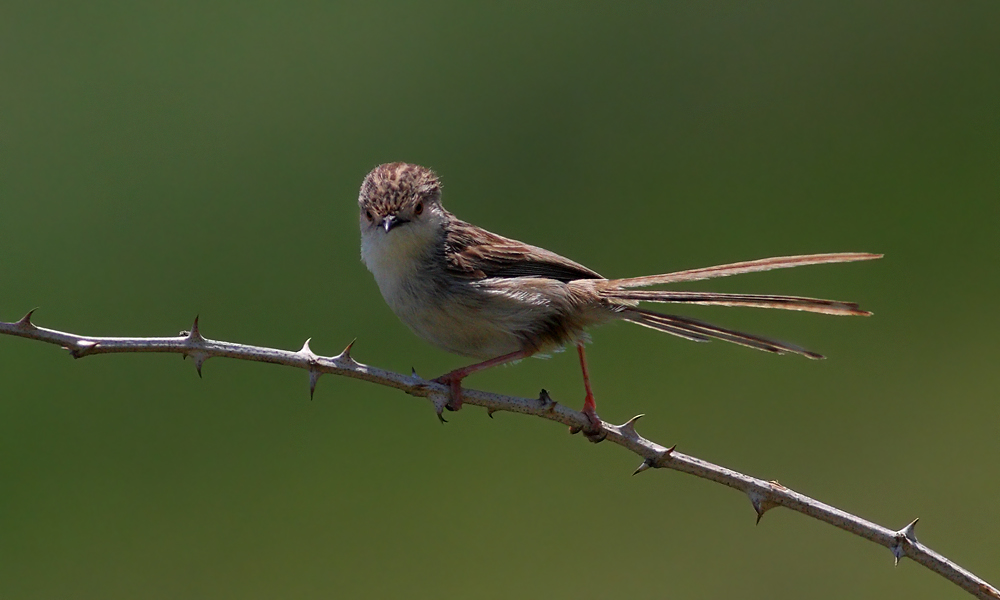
(392, 221)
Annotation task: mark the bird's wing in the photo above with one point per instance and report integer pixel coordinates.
(475, 253)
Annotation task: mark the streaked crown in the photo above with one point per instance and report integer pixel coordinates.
(393, 186)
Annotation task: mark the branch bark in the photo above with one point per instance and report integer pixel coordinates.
(763, 495)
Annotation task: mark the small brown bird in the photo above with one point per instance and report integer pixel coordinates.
(479, 294)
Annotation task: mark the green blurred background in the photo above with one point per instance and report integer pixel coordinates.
(162, 160)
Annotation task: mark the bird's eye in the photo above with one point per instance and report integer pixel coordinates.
(419, 209)
(368, 215)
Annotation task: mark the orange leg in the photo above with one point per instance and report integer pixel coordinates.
(589, 405)
(454, 378)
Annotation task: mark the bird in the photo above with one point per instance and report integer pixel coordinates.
(498, 300)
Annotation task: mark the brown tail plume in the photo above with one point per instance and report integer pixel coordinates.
(699, 331)
(750, 266)
(816, 305)
(620, 289)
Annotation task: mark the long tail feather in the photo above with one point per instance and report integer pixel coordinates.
(750, 266)
(700, 331)
(816, 305)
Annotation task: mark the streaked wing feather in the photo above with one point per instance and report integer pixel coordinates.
(476, 253)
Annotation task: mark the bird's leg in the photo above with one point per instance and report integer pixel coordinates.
(454, 378)
(589, 405)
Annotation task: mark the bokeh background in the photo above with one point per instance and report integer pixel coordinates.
(162, 160)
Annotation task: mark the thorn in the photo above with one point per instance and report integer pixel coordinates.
(313, 379)
(548, 403)
(440, 402)
(646, 464)
(307, 352)
(987, 590)
(199, 359)
(418, 381)
(194, 335)
(82, 347)
(664, 456)
(903, 536)
(490, 411)
(628, 429)
(25, 321)
(346, 354)
(760, 504)
(909, 532)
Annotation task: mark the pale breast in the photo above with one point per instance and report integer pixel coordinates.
(481, 318)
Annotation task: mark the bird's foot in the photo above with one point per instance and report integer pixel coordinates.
(594, 430)
(454, 383)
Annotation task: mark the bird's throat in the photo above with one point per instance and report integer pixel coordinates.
(399, 259)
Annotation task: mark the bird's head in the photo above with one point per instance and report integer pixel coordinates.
(399, 196)
(402, 220)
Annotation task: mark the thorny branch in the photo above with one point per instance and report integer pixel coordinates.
(763, 495)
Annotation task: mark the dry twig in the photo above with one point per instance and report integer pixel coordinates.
(763, 495)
